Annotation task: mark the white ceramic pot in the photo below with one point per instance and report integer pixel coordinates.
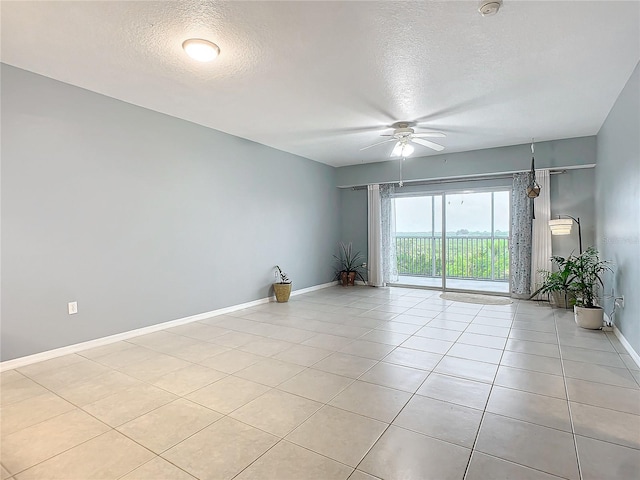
(592, 318)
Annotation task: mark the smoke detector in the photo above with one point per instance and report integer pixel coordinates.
(489, 7)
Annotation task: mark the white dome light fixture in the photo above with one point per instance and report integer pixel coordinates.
(201, 50)
(489, 7)
(407, 150)
(402, 149)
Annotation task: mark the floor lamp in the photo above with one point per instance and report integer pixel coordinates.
(562, 226)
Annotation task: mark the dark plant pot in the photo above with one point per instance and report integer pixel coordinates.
(347, 278)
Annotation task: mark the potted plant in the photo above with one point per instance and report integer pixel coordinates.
(587, 270)
(350, 266)
(282, 286)
(557, 284)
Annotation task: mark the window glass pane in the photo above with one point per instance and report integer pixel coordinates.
(437, 242)
(501, 213)
(469, 214)
(413, 215)
(437, 209)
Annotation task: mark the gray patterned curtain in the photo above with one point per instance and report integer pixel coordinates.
(521, 238)
(388, 223)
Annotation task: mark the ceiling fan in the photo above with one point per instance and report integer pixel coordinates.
(403, 134)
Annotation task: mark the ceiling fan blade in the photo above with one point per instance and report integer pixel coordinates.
(379, 143)
(429, 135)
(427, 143)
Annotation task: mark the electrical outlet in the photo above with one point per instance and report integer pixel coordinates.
(73, 307)
(619, 301)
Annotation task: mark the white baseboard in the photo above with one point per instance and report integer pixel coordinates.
(98, 342)
(632, 353)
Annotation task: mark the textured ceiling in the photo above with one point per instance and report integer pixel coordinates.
(324, 79)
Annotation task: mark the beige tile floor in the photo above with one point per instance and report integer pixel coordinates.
(357, 383)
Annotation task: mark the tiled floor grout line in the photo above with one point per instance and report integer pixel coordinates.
(151, 460)
(566, 391)
(484, 410)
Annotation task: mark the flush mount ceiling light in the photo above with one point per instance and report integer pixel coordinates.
(201, 50)
(489, 7)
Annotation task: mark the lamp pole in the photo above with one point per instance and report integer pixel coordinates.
(577, 220)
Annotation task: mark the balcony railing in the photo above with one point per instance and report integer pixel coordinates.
(467, 257)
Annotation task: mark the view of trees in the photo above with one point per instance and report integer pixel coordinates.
(468, 255)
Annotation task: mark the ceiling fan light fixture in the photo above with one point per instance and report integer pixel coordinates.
(402, 149)
(403, 135)
(397, 150)
(201, 50)
(407, 150)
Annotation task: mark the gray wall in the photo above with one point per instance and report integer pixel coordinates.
(557, 153)
(617, 189)
(141, 217)
(572, 193)
(353, 208)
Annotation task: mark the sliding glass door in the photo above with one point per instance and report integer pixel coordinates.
(454, 240)
(477, 241)
(419, 240)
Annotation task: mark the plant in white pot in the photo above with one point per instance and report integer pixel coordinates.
(282, 286)
(587, 270)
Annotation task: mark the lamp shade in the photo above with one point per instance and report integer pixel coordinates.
(560, 226)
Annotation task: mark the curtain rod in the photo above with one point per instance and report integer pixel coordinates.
(471, 178)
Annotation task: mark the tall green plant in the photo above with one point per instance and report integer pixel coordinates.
(349, 261)
(587, 270)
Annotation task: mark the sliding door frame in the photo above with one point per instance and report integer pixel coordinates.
(443, 254)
